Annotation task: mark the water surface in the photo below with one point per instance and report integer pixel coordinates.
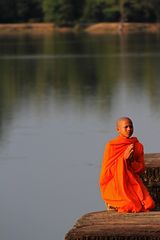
(59, 98)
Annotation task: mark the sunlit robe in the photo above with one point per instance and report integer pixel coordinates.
(120, 184)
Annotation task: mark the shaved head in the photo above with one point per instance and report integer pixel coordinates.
(119, 120)
(124, 127)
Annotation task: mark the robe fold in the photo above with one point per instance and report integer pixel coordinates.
(120, 184)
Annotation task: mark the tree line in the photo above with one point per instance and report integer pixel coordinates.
(71, 12)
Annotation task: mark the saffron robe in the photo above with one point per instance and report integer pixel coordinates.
(120, 184)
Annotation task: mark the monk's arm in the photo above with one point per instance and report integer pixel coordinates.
(138, 163)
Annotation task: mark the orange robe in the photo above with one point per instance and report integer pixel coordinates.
(120, 184)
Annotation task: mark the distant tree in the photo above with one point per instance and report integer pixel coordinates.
(36, 11)
(29, 10)
(66, 14)
(101, 11)
(23, 8)
(139, 11)
(20, 10)
(112, 11)
(63, 12)
(79, 8)
(69, 12)
(156, 7)
(122, 13)
(93, 11)
(50, 9)
(7, 11)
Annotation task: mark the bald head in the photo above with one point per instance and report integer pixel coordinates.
(124, 127)
(119, 120)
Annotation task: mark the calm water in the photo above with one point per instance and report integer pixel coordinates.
(59, 98)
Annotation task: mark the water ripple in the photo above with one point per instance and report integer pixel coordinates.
(70, 56)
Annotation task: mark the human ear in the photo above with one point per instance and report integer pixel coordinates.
(117, 129)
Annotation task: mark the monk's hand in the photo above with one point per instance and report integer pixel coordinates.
(128, 153)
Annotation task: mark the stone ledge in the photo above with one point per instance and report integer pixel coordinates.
(107, 225)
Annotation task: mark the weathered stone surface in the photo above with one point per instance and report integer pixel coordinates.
(106, 225)
(112, 225)
(151, 176)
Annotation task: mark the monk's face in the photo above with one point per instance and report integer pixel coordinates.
(125, 128)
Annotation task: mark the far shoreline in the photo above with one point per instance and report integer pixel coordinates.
(94, 28)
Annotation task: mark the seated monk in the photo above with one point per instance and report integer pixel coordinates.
(120, 184)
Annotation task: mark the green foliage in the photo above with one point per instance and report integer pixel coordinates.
(93, 11)
(50, 7)
(101, 11)
(20, 10)
(65, 14)
(156, 8)
(7, 11)
(70, 12)
(62, 12)
(139, 11)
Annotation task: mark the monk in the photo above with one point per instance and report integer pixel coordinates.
(120, 184)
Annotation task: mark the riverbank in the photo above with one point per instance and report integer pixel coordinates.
(98, 28)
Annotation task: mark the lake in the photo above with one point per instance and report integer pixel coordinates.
(60, 95)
